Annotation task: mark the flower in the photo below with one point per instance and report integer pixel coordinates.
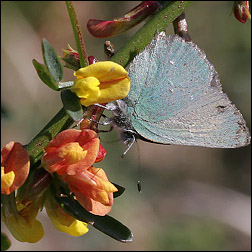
(103, 29)
(241, 11)
(102, 82)
(15, 167)
(71, 151)
(92, 190)
(22, 221)
(62, 221)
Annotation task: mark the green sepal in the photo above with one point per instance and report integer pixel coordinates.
(72, 105)
(106, 224)
(119, 192)
(52, 61)
(44, 75)
(5, 242)
(71, 63)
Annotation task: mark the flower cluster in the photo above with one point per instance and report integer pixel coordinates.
(69, 156)
(65, 165)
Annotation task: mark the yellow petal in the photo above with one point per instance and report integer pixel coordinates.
(114, 90)
(24, 231)
(84, 88)
(101, 82)
(110, 91)
(77, 228)
(104, 71)
(6, 180)
(64, 222)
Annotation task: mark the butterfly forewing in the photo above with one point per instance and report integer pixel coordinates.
(176, 98)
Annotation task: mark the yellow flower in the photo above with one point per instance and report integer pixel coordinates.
(22, 223)
(101, 82)
(64, 222)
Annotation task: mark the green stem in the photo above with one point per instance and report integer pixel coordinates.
(158, 23)
(59, 122)
(77, 34)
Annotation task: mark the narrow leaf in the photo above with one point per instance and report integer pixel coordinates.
(51, 60)
(44, 75)
(106, 224)
(72, 105)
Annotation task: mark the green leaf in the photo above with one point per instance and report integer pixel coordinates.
(113, 228)
(119, 192)
(58, 123)
(106, 224)
(72, 105)
(5, 242)
(52, 61)
(44, 75)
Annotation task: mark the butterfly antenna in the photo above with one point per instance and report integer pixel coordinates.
(139, 186)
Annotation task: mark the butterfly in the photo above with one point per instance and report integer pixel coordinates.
(176, 98)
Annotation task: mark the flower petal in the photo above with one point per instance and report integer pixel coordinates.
(21, 220)
(113, 78)
(55, 162)
(86, 87)
(92, 189)
(103, 29)
(14, 157)
(24, 232)
(104, 71)
(64, 222)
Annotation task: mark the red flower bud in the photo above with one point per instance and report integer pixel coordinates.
(103, 29)
(71, 58)
(241, 11)
(92, 60)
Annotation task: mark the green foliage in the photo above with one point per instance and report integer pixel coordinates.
(44, 75)
(72, 105)
(105, 224)
(52, 61)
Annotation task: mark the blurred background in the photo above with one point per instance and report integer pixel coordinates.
(192, 198)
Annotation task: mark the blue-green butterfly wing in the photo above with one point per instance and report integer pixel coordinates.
(176, 98)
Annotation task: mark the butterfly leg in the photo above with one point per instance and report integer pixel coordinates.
(132, 141)
(110, 106)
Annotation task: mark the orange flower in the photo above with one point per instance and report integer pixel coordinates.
(92, 189)
(15, 167)
(71, 151)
